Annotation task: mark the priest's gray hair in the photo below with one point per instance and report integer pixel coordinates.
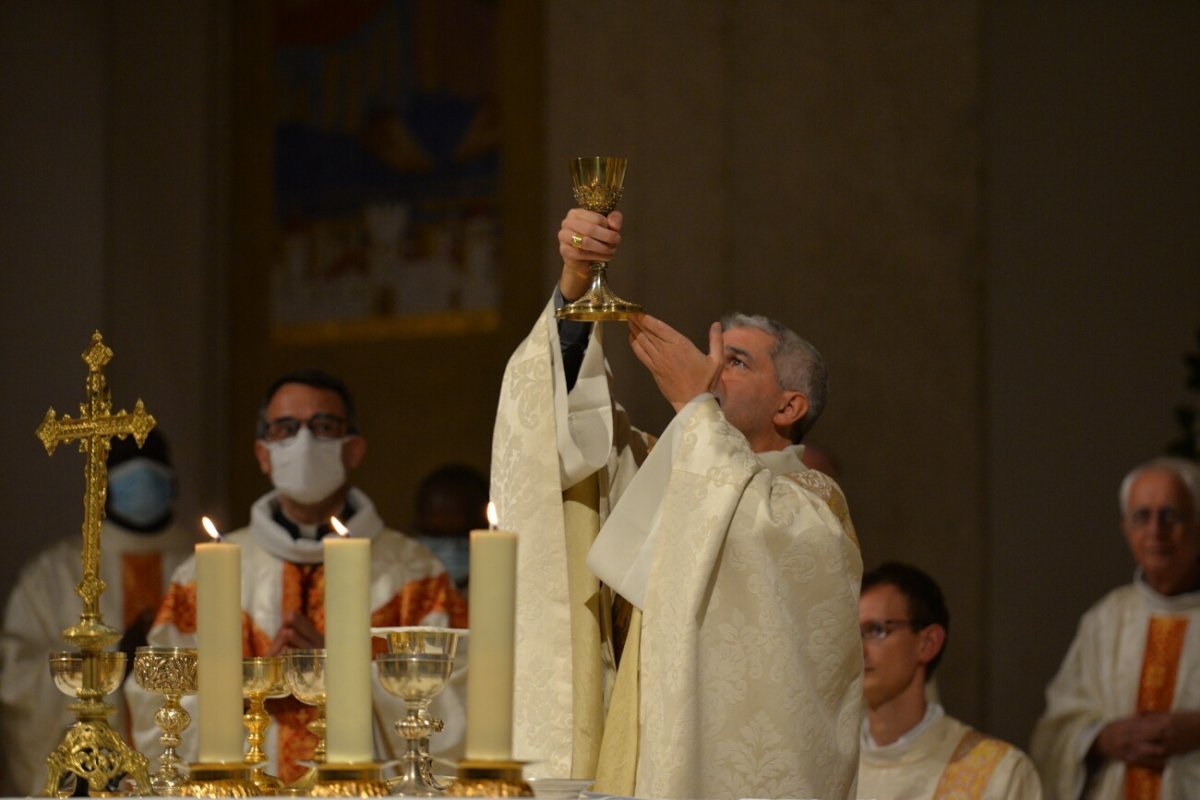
(1188, 473)
(799, 366)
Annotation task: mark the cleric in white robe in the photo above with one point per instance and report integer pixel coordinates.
(1122, 716)
(719, 570)
(140, 546)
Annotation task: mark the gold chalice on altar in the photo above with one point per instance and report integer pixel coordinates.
(597, 182)
(304, 672)
(416, 669)
(171, 672)
(263, 677)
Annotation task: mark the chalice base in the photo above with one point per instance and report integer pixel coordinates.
(364, 779)
(220, 780)
(479, 778)
(598, 304)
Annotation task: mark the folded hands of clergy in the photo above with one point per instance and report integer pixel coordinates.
(1149, 738)
(296, 631)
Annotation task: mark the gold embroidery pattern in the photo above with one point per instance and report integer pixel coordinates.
(970, 769)
(1156, 690)
(824, 487)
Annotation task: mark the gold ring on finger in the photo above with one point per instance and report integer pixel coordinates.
(576, 241)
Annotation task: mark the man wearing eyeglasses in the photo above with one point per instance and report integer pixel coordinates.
(911, 749)
(308, 442)
(1122, 716)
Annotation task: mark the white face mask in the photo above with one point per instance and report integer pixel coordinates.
(307, 469)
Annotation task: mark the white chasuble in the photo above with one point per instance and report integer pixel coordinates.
(1098, 682)
(744, 568)
(946, 760)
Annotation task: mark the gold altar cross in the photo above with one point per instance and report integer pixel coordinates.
(90, 749)
(94, 430)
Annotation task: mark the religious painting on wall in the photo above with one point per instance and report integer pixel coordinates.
(387, 165)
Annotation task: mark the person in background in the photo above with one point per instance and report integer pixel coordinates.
(308, 444)
(141, 545)
(911, 749)
(451, 502)
(1122, 716)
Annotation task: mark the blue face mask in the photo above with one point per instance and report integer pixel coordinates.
(454, 552)
(140, 492)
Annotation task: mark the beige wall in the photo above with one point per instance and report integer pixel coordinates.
(984, 214)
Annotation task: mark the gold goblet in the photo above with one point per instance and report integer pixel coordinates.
(597, 182)
(171, 672)
(305, 674)
(416, 669)
(263, 677)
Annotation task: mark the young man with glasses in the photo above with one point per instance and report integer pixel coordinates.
(910, 748)
(1122, 715)
(308, 443)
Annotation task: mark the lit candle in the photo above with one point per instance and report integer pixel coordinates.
(219, 648)
(492, 597)
(347, 647)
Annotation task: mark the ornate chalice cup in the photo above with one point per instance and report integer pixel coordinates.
(304, 672)
(263, 677)
(597, 182)
(171, 672)
(416, 669)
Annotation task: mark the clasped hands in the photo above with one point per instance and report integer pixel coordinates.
(678, 367)
(1149, 738)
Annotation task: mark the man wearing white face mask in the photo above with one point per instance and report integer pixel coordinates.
(308, 443)
(141, 548)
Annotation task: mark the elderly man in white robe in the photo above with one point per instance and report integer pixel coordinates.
(1122, 716)
(686, 615)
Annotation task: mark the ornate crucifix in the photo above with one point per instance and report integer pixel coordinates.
(90, 749)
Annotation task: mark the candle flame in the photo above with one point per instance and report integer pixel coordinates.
(211, 529)
(341, 529)
(493, 519)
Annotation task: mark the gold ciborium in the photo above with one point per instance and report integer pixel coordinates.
(416, 669)
(597, 182)
(263, 677)
(171, 672)
(304, 671)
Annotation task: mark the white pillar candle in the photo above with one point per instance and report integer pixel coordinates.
(347, 648)
(492, 597)
(219, 649)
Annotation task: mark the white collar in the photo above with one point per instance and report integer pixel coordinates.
(275, 539)
(933, 713)
(1169, 604)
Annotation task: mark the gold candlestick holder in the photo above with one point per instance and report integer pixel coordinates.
(490, 778)
(220, 780)
(363, 779)
(171, 672)
(263, 677)
(90, 749)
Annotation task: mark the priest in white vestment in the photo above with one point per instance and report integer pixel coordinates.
(1122, 716)
(140, 546)
(308, 441)
(911, 749)
(716, 570)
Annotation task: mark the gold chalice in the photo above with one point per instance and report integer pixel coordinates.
(263, 677)
(171, 672)
(416, 669)
(305, 675)
(597, 182)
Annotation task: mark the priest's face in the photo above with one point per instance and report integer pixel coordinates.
(748, 389)
(310, 405)
(1163, 532)
(894, 654)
